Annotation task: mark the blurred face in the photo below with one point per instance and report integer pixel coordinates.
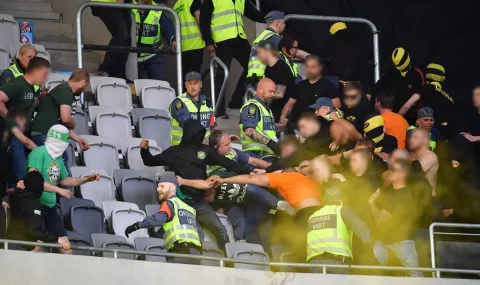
(426, 123)
(416, 141)
(40, 75)
(287, 149)
(308, 128)
(397, 173)
(320, 171)
(292, 52)
(312, 69)
(262, 55)
(268, 91)
(358, 164)
(193, 87)
(476, 97)
(397, 155)
(26, 56)
(224, 146)
(164, 189)
(21, 122)
(144, 2)
(352, 98)
(323, 111)
(280, 26)
(80, 86)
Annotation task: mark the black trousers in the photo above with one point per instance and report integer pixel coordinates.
(192, 60)
(119, 24)
(238, 49)
(207, 217)
(185, 248)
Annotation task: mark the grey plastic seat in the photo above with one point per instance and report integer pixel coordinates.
(457, 254)
(115, 95)
(153, 245)
(44, 54)
(121, 219)
(99, 191)
(79, 171)
(55, 79)
(97, 80)
(137, 113)
(208, 235)
(113, 242)
(119, 174)
(281, 253)
(141, 83)
(87, 220)
(157, 97)
(135, 161)
(139, 190)
(211, 249)
(109, 206)
(71, 155)
(247, 251)
(136, 142)
(115, 126)
(94, 110)
(4, 58)
(150, 210)
(156, 127)
(77, 239)
(9, 32)
(66, 205)
(81, 122)
(103, 154)
(228, 226)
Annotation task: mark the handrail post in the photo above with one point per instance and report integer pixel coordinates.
(376, 48)
(212, 81)
(178, 36)
(432, 247)
(115, 254)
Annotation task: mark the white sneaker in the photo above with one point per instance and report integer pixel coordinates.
(285, 207)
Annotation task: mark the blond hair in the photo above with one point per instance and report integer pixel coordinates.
(79, 74)
(26, 47)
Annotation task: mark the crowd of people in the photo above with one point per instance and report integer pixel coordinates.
(344, 175)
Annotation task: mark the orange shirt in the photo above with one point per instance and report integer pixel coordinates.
(397, 126)
(294, 187)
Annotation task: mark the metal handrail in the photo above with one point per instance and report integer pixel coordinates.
(444, 225)
(222, 260)
(175, 17)
(249, 90)
(212, 81)
(376, 48)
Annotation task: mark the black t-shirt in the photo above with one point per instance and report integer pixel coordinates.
(356, 115)
(473, 126)
(441, 102)
(387, 145)
(281, 74)
(229, 194)
(307, 93)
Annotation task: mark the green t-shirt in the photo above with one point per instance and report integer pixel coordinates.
(48, 112)
(20, 94)
(52, 171)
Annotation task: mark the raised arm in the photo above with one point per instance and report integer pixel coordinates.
(148, 158)
(259, 180)
(414, 99)
(196, 183)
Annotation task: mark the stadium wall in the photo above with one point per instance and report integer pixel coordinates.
(53, 269)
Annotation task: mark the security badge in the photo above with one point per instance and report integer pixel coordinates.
(201, 155)
(351, 118)
(179, 105)
(251, 112)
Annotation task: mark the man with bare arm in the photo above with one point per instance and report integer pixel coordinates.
(418, 145)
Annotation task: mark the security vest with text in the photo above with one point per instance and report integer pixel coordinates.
(191, 35)
(149, 33)
(232, 155)
(265, 126)
(183, 227)
(227, 20)
(327, 233)
(204, 115)
(255, 66)
(16, 73)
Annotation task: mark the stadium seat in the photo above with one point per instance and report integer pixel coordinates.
(141, 83)
(228, 226)
(136, 142)
(211, 249)
(121, 219)
(157, 97)
(208, 236)
(44, 54)
(10, 34)
(115, 95)
(150, 210)
(247, 251)
(4, 58)
(458, 255)
(156, 127)
(87, 220)
(139, 190)
(79, 171)
(67, 204)
(97, 80)
(71, 155)
(153, 245)
(103, 154)
(55, 79)
(115, 126)
(119, 174)
(99, 191)
(94, 110)
(81, 122)
(135, 161)
(110, 206)
(137, 113)
(77, 239)
(113, 242)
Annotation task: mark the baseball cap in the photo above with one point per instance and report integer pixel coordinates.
(168, 179)
(193, 75)
(266, 44)
(322, 102)
(274, 15)
(425, 112)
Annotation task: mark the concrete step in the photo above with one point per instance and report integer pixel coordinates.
(71, 56)
(70, 66)
(57, 46)
(51, 27)
(32, 15)
(54, 37)
(26, 6)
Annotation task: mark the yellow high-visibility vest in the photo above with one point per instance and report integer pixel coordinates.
(265, 126)
(191, 35)
(16, 73)
(255, 66)
(227, 20)
(183, 227)
(150, 28)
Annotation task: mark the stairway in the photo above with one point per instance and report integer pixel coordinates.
(58, 38)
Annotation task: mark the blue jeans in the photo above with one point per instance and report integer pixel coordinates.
(40, 139)
(405, 252)
(18, 159)
(153, 68)
(260, 202)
